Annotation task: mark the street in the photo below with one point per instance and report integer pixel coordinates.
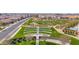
(7, 33)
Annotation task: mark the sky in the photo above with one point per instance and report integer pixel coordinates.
(39, 6)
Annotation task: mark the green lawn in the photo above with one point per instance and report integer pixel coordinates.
(74, 41)
(30, 30)
(41, 30)
(47, 43)
(20, 33)
(55, 33)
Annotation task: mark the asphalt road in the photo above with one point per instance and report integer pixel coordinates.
(5, 34)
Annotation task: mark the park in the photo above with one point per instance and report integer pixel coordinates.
(36, 31)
